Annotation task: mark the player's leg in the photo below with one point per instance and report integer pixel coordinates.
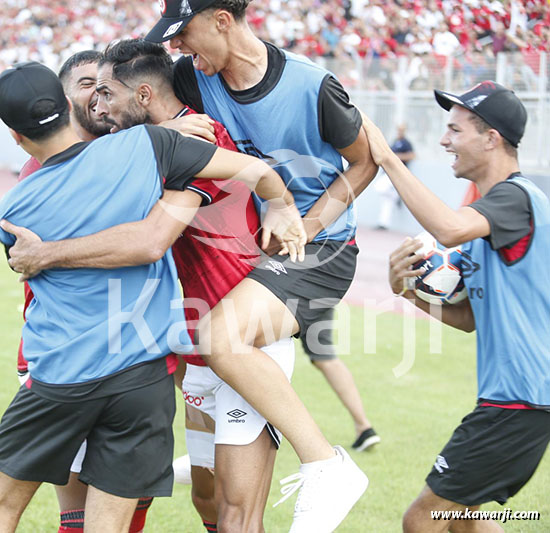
(340, 378)
(416, 517)
(72, 497)
(14, 498)
(321, 351)
(243, 478)
(475, 526)
(198, 395)
(39, 438)
(231, 352)
(137, 524)
(258, 315)
(245, 452)
(108, 513)
(419, 517)
(130, 448)
(202, 495)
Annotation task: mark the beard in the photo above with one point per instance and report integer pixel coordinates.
(134, 115)
(97, 128)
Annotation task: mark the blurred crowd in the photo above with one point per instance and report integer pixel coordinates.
(389, 28)
(51, 30)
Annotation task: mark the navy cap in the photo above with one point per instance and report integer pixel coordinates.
(495, 104)
(176, 14)
(21, 88)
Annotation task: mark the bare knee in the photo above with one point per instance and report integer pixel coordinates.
(215, 341)
(418, 519)
(410, 522)
(14, 497)
(237, 519)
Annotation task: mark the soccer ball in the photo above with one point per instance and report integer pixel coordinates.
(442, 280)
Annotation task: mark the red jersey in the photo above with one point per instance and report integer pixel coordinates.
(220, 247)
(216, 251)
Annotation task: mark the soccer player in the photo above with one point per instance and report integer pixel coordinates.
(216, 251)
(135, 84)
(505, 238)
(284, 108)
(78, 76)
(101, 370)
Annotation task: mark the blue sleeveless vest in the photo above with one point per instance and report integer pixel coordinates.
(283, 126)
(85, 324)
(511, 305)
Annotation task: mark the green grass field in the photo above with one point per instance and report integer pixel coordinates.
(414, 415)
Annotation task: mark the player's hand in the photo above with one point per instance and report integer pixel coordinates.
(402, 259)
(284, 222)
(198, 126)
(25, 253)
(274, 247)
(379, 147)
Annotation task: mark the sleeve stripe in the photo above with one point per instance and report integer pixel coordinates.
(207, 197)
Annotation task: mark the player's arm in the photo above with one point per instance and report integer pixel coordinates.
(134, 243)
(340, 125)
(282, 219)
(401, 270)
(147, 240)
(450, 227)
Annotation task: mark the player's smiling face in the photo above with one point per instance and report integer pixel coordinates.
(81, 90)
(202, 39)
(116, 103)
(463, 140)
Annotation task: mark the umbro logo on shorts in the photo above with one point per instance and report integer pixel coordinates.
(440, 464)
(237, 416)
(276, 267)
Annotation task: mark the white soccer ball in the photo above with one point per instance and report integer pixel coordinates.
(442, 281)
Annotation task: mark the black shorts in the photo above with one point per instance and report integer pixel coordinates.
(129, 439)
(309, 288)
(491, 455)
(320, 347)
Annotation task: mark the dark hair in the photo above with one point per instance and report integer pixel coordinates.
(136, 58)
(41, 109)
(482, 126)
(80, 58)
(236, 7)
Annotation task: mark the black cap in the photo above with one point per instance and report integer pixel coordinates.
(21, 88)
(176, 14)
(495, 104)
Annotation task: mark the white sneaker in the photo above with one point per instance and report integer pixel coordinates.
(328, 491)
(182, 470)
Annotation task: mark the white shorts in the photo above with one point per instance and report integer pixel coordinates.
(77, 461)
(216, 414)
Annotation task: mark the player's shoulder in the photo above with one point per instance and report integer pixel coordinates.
(515, 186)
(303, 62)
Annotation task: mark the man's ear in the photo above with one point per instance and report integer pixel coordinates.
(493, 139)
(17, 137)
(70, 104)
(224, 19)
(144, 95)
